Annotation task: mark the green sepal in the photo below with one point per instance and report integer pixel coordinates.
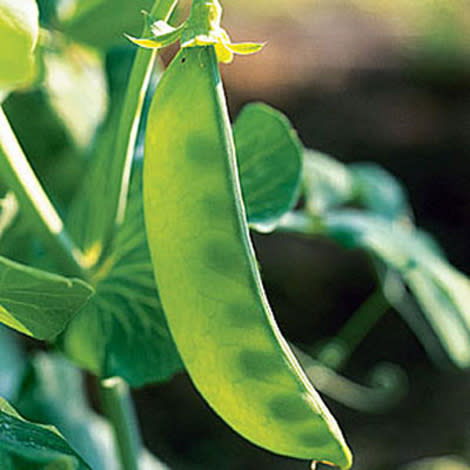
(164, 35)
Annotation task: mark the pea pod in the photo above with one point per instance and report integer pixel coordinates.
(207, 273)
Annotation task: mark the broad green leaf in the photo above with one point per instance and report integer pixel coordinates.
(28, 445)
(19, 28)
(442, 292)
(101, 23)
(269, 156)
(38, 303)
(379, 191)
(75, 85)
(327, 182)
(122, 331)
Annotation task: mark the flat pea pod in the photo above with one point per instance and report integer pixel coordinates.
(207, 274)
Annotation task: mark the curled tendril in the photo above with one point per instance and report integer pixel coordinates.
(202, 28)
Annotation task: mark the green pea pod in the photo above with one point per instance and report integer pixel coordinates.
(207, 274)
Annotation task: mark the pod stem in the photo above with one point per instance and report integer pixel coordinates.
(336, 352)
(17, 174)
(118, 407)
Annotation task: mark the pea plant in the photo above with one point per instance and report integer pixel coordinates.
(145, 268)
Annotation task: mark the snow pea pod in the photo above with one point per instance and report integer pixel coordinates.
(207, 272)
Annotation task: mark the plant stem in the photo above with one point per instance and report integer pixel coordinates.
(301, 224)
(338, 350)
(18, 175)
(128, 127)
(116, 401)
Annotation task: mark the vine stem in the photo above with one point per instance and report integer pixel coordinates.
(300, 223)
(129, 122)
(18, 175)
(336, 352)
(117, 405)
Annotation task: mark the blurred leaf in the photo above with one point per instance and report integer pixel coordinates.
(438, 463)
(8, 212)
(379, 191)
(124, 322)
(19, 28)
(270, 163)
(51, 385)
(441, 291)
(11, 371)
(148, 461)
(6, 462)
(27, 445)
(75, 85)
(327, 182)
(102, 23)
(38, 303)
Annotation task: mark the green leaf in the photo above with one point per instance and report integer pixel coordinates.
(124, 322)
(19, 28)
(27, 445)
(38, 303)
(379, 191)
(442, 292)
(270, 163)
(101, 23)
(327, 182)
